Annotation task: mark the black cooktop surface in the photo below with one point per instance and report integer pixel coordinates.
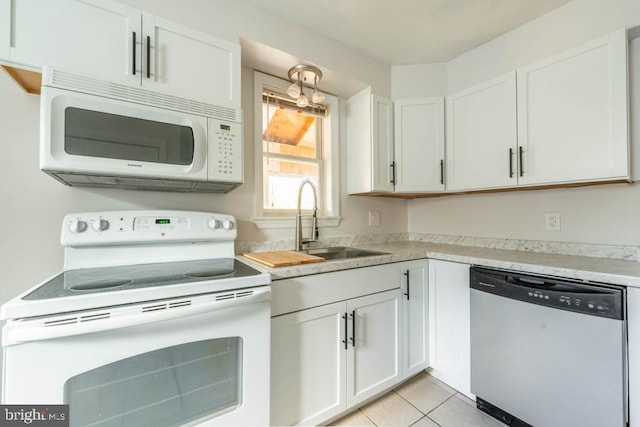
(118, 278)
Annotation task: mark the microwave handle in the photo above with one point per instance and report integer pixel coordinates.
(26, 331)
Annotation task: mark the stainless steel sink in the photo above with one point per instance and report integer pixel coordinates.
(341, 252)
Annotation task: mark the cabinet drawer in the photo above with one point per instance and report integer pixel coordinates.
(304, 292)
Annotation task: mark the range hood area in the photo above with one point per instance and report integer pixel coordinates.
(138, 183)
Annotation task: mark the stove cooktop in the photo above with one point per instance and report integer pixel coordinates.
(120, 278)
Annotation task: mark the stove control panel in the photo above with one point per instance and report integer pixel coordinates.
(146, 227)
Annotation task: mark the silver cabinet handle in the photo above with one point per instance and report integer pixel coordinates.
(510, 162)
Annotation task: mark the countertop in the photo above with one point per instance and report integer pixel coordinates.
(605, 270)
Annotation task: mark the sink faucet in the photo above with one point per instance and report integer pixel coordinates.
(314, 227)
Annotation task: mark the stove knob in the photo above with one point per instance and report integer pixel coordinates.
(77, 226)
(100, 225)
(227, 224)
(214, 224)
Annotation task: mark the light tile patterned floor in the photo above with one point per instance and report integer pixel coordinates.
(421, 402)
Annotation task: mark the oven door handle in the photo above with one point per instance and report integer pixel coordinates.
(25, 330)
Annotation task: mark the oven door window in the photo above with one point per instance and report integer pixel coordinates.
(97, 134)
(167, 387)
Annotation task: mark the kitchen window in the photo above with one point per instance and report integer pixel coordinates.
(293, 144)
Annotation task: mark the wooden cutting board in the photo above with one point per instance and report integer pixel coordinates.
(282, 258)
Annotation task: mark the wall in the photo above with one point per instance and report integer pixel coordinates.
(608, 214)
(422, 80)
(34, 204)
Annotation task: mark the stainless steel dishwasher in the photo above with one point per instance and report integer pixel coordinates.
(547, 351)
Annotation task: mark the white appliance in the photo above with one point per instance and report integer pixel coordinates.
(103, 134)
(152, 322)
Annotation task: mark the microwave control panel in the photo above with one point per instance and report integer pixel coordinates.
(225, 151)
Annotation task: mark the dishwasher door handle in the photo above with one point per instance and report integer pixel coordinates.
(542, 284)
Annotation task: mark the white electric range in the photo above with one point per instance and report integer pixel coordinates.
(152, 321)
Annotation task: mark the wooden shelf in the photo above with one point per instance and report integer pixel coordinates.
(29, 81)
(494, 190)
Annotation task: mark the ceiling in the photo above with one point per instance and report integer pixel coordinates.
(401, 32)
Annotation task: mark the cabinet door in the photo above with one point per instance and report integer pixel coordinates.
(419, 144)
(481, 136)
(449, 324)
(572, 114)
(88, 36)
(382, 141)
(308, 365)
(415, 343)
(370, 147)
(190, 64)
(5, 29)
(373, 362)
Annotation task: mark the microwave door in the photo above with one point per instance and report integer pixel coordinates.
(86, 134)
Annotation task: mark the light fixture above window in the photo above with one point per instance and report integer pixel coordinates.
(307, 75)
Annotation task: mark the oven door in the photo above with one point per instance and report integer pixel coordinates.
(200, 360)
(90, 134)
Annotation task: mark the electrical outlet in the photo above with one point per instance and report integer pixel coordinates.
(374, 218)
(552, 221)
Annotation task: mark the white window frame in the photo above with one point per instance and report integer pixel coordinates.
(330, 173)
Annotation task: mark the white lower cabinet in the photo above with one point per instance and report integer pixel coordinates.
(449, 324)
(373, 348)
(415, 316)
(329, 358)
(308, 365)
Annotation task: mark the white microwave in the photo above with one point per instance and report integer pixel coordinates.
(102, 134)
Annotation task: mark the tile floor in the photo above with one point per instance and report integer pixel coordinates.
(421, 402)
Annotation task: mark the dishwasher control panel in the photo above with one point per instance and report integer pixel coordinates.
(565, 294)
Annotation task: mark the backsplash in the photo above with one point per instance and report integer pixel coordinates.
(628, 253)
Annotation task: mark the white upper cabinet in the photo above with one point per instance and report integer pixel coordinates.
(189, 64)
(93, 37)
(369, 144)
(106, 39)
(5, 29)
(419, 144)
(482, 136)
(572, 114)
